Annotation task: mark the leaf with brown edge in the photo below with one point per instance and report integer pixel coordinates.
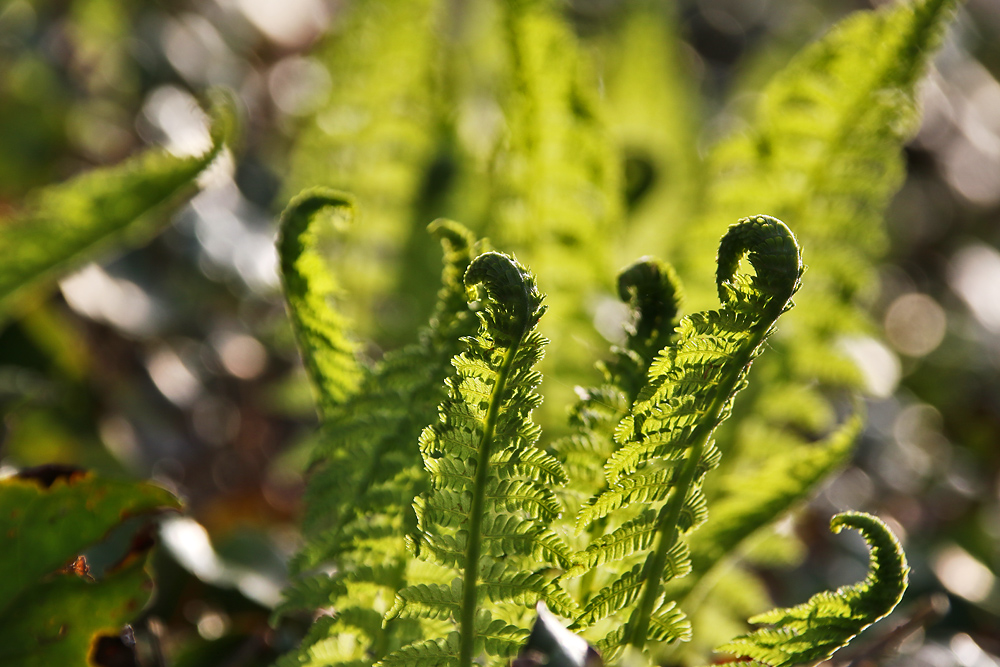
(62, 620)
(46, 520)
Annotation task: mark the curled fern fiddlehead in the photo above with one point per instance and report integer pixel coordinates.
(813, 631)
(653, 292)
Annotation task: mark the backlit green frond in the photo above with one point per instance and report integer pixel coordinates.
(654, 112)
(365, 473)
(823, 150)
(60, 224)
(669, 428)
(484, 441)
(652, 291)
(813, 631)
(555, 197)
(374, 137)
(310, 289)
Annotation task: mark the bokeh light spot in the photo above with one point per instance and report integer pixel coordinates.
(915, 324)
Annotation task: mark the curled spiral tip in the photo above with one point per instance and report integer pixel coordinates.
(889, 561)
(453, 233)
(649, 275)
(513, 303)
(297, 216)
(771, 249)
(653, 292)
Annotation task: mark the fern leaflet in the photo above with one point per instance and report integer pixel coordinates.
(813, 631)
(59, 223)
(329, 356)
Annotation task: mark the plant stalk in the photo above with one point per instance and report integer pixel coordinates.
(473, 549)
(667, 525)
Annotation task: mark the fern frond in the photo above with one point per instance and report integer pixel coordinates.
(632, 536)
(691, 386)
(555, 196)
(365, 474)
(428, 653)
(824, 151)
(374, 137)
(654, 113)
(330, 357)
(652, 291)
(464, 523)
(813, 631)
(366, 443)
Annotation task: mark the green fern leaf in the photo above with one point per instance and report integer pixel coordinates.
(623, 592)
(374, 137)
(483, 441)
(428, 653)
(653, 292)
(823, 151)
(813, 631)
(60, 224)
(365, 474)
(690, 390)
(330, 357)
(555, 196)
(654, 114)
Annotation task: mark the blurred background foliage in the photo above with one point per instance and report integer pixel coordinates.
(175, 362)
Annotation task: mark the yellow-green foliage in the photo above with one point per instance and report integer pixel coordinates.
(51, 613)
(366, 470)
(375, 137)
(310, 290)
(624, 522)
(813, 631)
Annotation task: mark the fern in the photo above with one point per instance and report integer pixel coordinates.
(665, 440)
(365, 471)
(554, 179)
(653, 111)
(330, 357)
(494, 516)
(485, 517)
(813, 631)
(652, 290)
(374, 137)
(822, 151)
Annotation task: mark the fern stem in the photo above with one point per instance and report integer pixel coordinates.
(474, 547)
(667, 525)
(668, 535)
